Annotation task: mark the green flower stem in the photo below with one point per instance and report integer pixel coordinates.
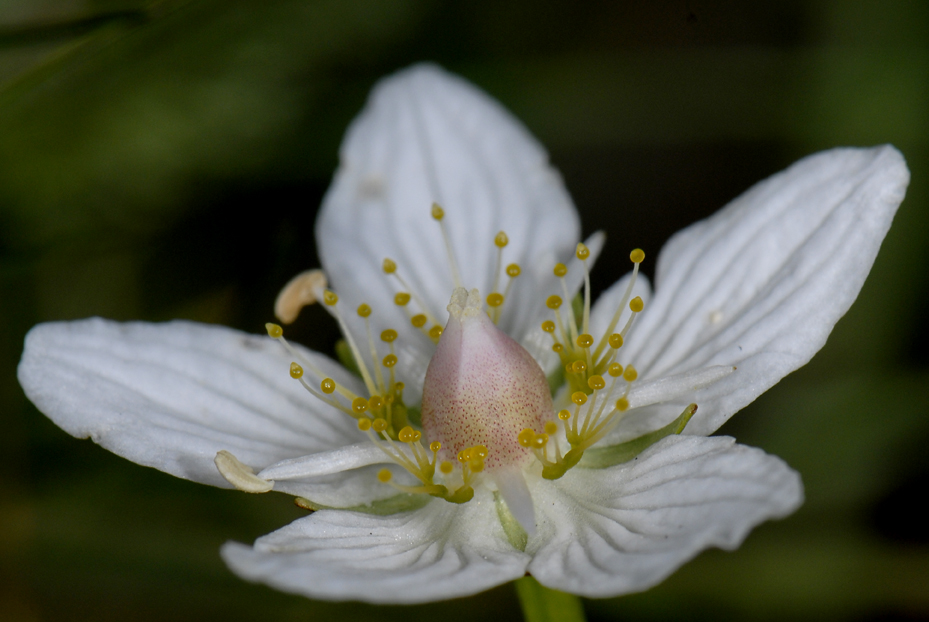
(541, 604)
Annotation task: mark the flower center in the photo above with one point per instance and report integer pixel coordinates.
(482, 387)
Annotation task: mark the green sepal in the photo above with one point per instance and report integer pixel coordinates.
(344, 353)
(511, 527)
(403, 502)
(603, 457)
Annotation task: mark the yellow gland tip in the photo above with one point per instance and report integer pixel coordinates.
(551, 427)
(585, 340)
(596, 382)
(513, 270)
(388, 335)
(548, 326)
(615, 370)
(406, 435)
(295, 371)
(525, 437)
(630, 374)
(557, 348)
(446, 467)
(390, 360)
(375, 402)
(401, 299)
(364, 310)
(327, 385)
(274, 330)
(330, 297)
(553, 302)
(564, 414)
(582, 251)
(616, 341)
(359, 405)
(560, 270)
(379, 425)
(579, 398)
(418, 320)
(494, 300)
(437, 212)
(390, 266)
(501, 240)
(364, 424)
(578, 367)
(637, 256)
(436, 331)
(384, 476)
(435, 446)
(636, 304)
(622, 404)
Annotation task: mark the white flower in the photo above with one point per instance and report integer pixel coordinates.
(741, 299)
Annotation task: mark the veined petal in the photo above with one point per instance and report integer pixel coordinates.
(760, 284)
(441, 551)
(427, 136)
(172, 395)
(623, 529)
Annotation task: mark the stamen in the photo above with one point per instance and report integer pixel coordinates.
(239, 475)
(637, 256)
(583, 253)
(439, 214)
(330, 300)
(299, 292)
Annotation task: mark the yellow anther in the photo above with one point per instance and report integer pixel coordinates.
(582, 251)
(375, 402)
(464, 456)
(330, 297)
(630, 374)
(551, 427)
(560, 270)
(622, 404)
(548, 326)
(364, 424)
(359, 405)
(327, 385)
(390, 266)
(390, 360)
(299, 292)
(637, 256)
(501, 240)
(540, 441)
(494, 300)
(636, 304)
(557, 348)
(568, 369)
(579, 398)
(379, 425)
(388, 335)
(437, 212)
(479, 451)
(615, 370)
(616, 341)
(564, 415)
(596, 382)
(418, 320)
(274, 330)
(525, 437)
(384, 476)
(513, 270)
(585, 340)
(446, 467)
(435, 446)
(436, 331)
(553, 302)
(295, 371)
(578, 367)
(401, 299)
(407, 435)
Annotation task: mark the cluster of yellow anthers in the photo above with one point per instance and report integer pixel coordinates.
(585, 362)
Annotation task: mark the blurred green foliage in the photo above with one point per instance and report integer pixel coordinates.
(165, 159)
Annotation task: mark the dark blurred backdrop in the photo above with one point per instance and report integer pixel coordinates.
(166, 159)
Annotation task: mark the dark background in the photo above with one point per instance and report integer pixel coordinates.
(166, 159)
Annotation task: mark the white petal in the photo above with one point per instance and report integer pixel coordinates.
(326, 462)
(623, 529)
(172, 395)
(760, 284)
(426, 136)
(441, 551)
